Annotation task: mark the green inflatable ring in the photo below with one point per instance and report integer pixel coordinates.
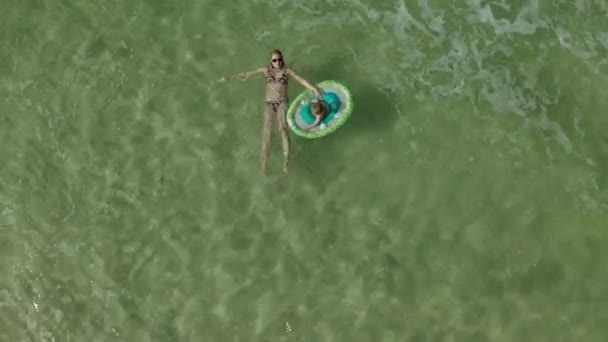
(340, 101)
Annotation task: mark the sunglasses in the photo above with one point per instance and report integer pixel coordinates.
(274, 60)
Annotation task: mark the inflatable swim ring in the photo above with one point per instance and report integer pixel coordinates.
(340, 102)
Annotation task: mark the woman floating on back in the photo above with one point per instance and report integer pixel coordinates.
(277, 102)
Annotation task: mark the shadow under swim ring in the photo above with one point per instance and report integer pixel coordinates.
(339, 99)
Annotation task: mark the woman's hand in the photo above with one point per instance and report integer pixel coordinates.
(319, 93)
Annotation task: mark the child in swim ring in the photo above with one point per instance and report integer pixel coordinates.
(319, 109)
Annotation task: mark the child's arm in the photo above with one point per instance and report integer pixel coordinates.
(314, 124)
(243, 75)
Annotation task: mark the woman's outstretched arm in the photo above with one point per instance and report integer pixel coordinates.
(305, 83)
(243, 75)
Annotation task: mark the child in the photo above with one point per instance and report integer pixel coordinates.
(319, 109)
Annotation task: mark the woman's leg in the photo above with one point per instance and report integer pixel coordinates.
(284, 131)
(266, 130)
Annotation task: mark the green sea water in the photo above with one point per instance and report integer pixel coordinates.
(466, 199)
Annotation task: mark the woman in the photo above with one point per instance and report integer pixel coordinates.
(277, 76)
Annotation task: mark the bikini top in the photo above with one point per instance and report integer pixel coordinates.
(270, 78)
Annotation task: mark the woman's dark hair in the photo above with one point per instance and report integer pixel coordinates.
(276, 52)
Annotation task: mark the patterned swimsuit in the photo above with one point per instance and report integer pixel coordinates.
(270, 78)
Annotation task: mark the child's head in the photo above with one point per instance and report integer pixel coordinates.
(317, 108)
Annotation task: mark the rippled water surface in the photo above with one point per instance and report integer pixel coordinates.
(465, 200)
